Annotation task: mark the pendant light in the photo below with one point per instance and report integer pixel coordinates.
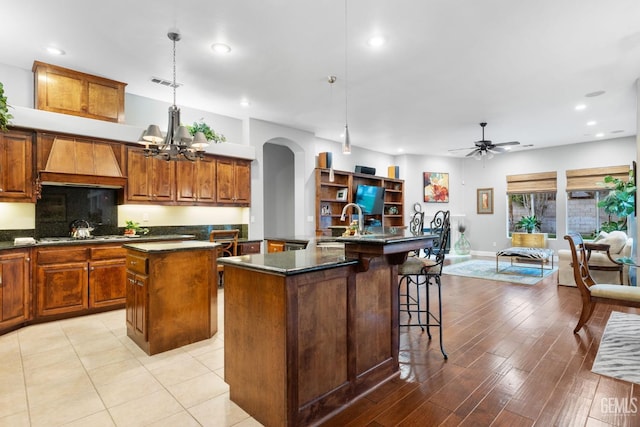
(346, 145)
(178, 144)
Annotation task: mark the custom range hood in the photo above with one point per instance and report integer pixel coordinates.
(79, 162)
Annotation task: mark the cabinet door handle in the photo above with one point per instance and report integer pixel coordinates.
(132, 281)
(139, 283)
(133, 262)
(93, 268)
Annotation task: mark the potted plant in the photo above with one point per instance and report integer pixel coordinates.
(131, 228)
(209, 133)
(619, 202)
(529, 223)
(5, 117)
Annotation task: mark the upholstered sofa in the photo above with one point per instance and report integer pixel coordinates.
(619, 246)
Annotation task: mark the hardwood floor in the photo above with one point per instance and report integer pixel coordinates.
(513, 361)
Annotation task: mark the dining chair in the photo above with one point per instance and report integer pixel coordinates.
(417, 273)
(228, 240)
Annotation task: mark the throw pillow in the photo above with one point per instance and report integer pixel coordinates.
(601, 236)
(616, 241)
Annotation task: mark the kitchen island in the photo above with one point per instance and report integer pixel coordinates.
(308, 331)
(171, 294)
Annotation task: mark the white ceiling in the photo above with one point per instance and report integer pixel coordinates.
(447, 65)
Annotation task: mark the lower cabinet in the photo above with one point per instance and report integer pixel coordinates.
(275, 246)
(79, 278)
(251, 247)
(136, 309)
(14, 287)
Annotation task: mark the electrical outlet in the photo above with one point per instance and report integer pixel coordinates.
(494, 244)
(145, 217)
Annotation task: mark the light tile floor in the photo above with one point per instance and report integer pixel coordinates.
(85, 371)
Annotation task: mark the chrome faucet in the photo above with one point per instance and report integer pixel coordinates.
(360, 217)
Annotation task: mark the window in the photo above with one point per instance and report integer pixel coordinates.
(532, 194)
(583, 195)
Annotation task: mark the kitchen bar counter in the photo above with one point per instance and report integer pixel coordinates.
(65, 241)
(309, 331)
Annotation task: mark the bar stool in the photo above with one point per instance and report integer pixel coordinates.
(417, 273)
(228, 240)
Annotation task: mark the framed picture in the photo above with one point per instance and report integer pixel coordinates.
(436, 187)
(325, 210)
(485, 200)
(342, 194)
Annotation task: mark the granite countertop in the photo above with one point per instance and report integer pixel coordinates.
(186, 245)
(291, 262)
(67, 241)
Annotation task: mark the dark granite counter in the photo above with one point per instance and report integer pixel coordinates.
(186, 245)
(95, 240)
(291, 262)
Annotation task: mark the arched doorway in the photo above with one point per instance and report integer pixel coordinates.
(279, 190)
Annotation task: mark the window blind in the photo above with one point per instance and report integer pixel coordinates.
(588, 179)
(543, 182)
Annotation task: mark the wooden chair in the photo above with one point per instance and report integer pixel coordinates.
(591, 291)
(228, 240)
(417, 273)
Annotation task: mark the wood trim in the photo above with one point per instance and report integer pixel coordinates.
(588, 178)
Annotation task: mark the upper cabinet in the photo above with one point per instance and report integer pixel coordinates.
(233, 179)
(66, 91)
(16, 166)
(149, 179)
(196, 181)
(213, 181)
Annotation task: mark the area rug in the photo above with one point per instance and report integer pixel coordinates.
(619, 352)
(486, 269)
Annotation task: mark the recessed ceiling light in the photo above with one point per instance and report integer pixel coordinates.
(580, 107)
(596, 93)
(599, 135)
(220, 48)
(400, 150)
(376, 41)
(55, 51)
(245, 103)
(592, 123)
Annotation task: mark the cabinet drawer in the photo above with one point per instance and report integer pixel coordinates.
(137, 264)
(108, 252)
(248, 248)
(56, 256)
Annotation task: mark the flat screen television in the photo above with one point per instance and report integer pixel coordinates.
(370, 199)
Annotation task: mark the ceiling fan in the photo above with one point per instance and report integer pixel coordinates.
(485, 148)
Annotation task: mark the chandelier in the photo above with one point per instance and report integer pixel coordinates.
(177, 144)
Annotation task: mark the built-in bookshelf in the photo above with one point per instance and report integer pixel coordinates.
(332, 196)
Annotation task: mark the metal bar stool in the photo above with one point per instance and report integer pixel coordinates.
(417, 273)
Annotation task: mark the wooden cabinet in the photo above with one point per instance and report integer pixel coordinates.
(275, 246)
(393, 203)
(332, 196)
(16, 166)
(529, 240)
(14, 287)
(247, 248)
(196, 181)
(233, 178)
(149, 179)
(171, 294)
(79, 278)
(136, 305)
(66, 91)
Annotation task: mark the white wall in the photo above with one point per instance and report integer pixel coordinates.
(466, 175)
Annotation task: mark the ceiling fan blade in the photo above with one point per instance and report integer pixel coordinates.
(460, 149)
(496, 149)
(507, 143)
(473, 153)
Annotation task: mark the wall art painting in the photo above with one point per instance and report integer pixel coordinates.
(485, 200)
(436, 187)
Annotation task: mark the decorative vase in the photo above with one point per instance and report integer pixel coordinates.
(462, 246)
